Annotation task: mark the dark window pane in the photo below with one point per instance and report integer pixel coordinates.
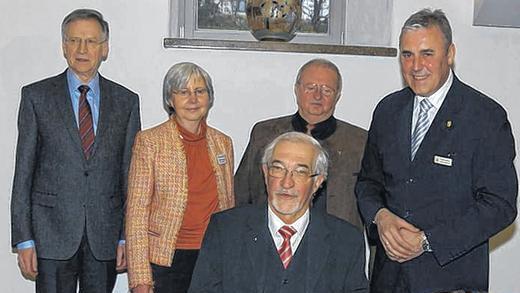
(222, 15)
(231, 15)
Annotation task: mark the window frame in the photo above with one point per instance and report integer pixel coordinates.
(183, 16)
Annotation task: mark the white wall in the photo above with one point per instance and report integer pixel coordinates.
(249, 85)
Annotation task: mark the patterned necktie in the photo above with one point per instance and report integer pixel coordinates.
(421, 127)
(285, 250)
(86, 129)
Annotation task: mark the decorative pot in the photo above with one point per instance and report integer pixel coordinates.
(273, 20)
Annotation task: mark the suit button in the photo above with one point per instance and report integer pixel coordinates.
(285, 281)
(86, 174)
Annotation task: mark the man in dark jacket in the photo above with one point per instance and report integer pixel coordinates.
(283, 246)
(437, 179)
(317, 88)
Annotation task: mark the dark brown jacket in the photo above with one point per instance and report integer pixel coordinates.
(345, 148)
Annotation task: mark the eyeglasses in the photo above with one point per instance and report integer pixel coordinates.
(299, 174)
(313, 87)
(90, 43)
(198, 92)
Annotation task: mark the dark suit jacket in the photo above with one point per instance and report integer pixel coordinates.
(345, 148)
(233, 255)
(459, 206)
(57, 193)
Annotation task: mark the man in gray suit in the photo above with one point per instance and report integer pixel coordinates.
(76, 131)
(283, 246)
(317, 89)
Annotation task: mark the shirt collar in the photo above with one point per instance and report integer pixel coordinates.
(275, 223)
(438, 97)
(74, 83)
(321, 130)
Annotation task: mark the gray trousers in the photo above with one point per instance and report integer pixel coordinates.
(62, 276)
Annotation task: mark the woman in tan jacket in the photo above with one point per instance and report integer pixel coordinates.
(181, 173)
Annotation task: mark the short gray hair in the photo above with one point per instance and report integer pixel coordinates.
(427, 18)
(321, 162)
(85, 14)
(178, 77)
(325, 63)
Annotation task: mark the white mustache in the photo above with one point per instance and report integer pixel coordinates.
(285, 192)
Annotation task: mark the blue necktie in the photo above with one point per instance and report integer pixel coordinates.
(421, 127)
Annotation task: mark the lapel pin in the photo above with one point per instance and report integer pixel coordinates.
(255, 238)
(449, 124)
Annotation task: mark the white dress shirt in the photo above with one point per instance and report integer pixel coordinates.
(436, 99)
(275, 223)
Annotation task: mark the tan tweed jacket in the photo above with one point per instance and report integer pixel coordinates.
(157, 195)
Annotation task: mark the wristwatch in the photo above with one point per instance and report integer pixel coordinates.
(426, 244)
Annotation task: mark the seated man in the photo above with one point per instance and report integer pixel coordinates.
(284, 246)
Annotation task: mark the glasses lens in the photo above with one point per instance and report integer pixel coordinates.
(310, 88)
(277, 171)
(326, 91)
(298, 174)
(90, 43)
(200, 92)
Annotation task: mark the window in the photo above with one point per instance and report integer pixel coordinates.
(496, 13)
(323, 21)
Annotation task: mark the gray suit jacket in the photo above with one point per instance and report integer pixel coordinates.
(233, 257)
(345, 148)
(58, 195)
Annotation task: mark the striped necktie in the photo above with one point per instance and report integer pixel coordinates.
(285, 250)
(421, 127)
(86, 128)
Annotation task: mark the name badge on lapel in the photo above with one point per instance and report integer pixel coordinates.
(443, 161)
(221, 159)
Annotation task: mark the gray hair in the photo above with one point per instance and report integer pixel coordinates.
(321, 162)
(178, 77)
(427, 18)
(325, 63)
(85, 14)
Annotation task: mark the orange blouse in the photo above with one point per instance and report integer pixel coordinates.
(202, 189)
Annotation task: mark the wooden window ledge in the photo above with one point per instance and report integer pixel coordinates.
(180, 43)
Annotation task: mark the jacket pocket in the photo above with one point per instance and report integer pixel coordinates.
(44, 199)
(153, 230)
